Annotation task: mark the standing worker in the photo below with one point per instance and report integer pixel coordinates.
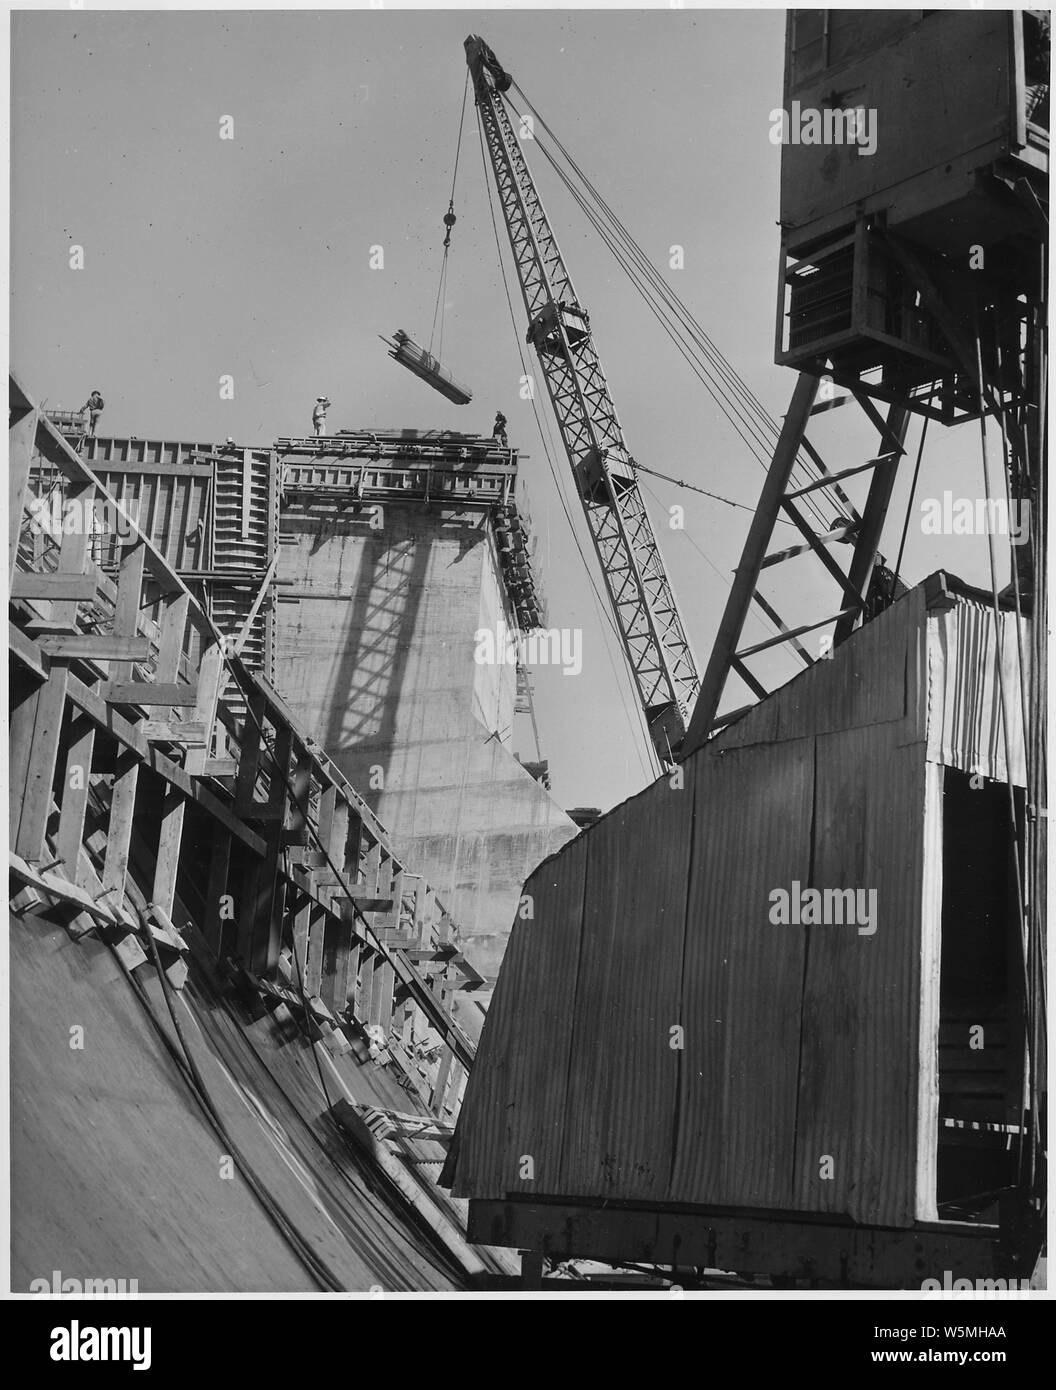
(322, 405)
(498, 430)
(94, 406)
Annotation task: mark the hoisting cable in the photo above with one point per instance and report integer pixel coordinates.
(692, 487)
(321, 1272)
(1014, 567)
(602, 231)
(1035, 1000)
(1003, 705)
(728, 392)
(912, 495)
(449, 222)
(722, 379)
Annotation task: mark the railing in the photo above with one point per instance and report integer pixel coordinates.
(145, 800)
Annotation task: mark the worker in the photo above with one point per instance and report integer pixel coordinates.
(94, 406)
(884, 588)
(499, 429)
(322, 405)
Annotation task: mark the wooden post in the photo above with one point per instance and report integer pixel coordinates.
(443, 1071)
(219, 863)
(40, 775)
(210, 679)
(20, 442)
(301, 923)
(122, 813)
(73, 800)
(20, 744)
(168, 860)
(316, 931)
(249, 754)
(129, 596)
(259, 913)
(297, 824)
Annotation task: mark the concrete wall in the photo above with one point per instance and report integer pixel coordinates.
(375, 652)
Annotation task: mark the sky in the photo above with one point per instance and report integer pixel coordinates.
(251, 258)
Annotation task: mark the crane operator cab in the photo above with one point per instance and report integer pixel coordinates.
(545, 334)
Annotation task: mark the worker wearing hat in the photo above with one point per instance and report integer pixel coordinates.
(322, 405)
(94, 406)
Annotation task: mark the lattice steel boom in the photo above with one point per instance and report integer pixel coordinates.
(647, 617)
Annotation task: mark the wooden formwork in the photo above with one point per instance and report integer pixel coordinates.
(158, 785)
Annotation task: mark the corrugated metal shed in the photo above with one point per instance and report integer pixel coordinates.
(656, 1037)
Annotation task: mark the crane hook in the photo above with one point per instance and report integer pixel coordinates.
(449, 221)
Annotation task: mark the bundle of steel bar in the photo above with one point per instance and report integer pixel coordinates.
(423, 364)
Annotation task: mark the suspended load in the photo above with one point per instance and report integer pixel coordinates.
(423, 364)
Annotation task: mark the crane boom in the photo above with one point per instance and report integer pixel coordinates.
(647, 616)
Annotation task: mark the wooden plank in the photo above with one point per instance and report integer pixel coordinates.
(371, 867)
(20, 442)
(337, 946)
(130, 736)
(296, 827)
(302, 919)
(325, 817)
(211, 669)
(27, 584)
(54, 884)
(171, 632)
(259, 912)
(278, 768)
(23, 718)
(128, 602)
(220, 767)
(381, 1001)
(353, 906)
(150, 694)
(249, 752)
(424, 908)
(215, 917)
(122, 814)
(74, 797)
(316, 933)
(436, 1100)
(26, 651)
(307, 858)
(185, 732)
(74, 549)
(168, 861)
(40, 773)
(343, 844)
(95, 648)
(111, 468)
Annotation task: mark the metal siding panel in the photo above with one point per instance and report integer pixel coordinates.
(623, 1074)
(964, 726)
(870, 679)
(799, 1041)
(742, 978)
(859, 1069)
(515, 1098)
